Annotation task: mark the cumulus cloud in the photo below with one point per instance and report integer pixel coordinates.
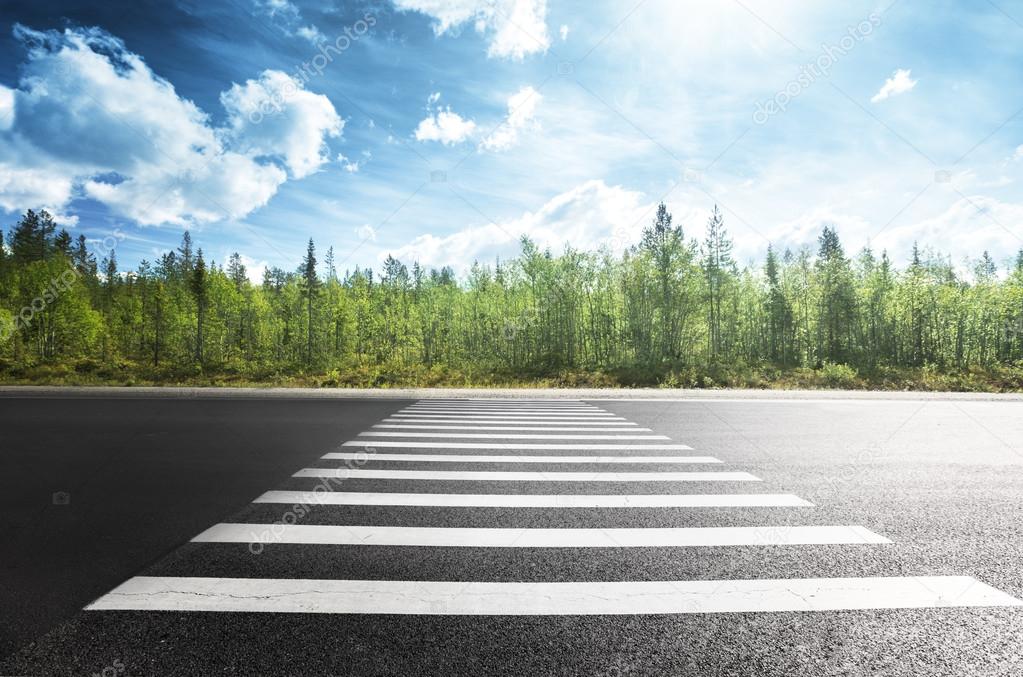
(981, 222)
(587, 217)
(446, 127)
(515, 28)
(41, 188)
(521, 116)
(91, 119)
(276, 116)
(443, 125)
(899, 83)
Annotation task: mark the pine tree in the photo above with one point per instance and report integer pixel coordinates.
(717, 264)
(986, 268)
(159, 301)
(110, 281)
(47, 228)
(185, 258)
(310, 289)
(200, 294)
(329, 262)
(779, 314)
(110, 270)
(837, 298)
(665, 245)
(236, 270)
(27, 239)
(62, 243)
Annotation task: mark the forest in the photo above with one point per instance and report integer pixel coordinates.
(672, 310)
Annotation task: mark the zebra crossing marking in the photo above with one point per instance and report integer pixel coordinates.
(475, 458)
(523, 445)
(510, 476)
(433, 419)
(616, 501)
(539, 538)
(332, 596)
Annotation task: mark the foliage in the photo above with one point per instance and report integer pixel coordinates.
(669, 311)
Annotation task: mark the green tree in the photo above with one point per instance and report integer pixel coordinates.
(310, 292)
(718, 268)
(200, 295)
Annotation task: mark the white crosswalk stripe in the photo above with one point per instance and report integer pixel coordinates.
(433, 433)
(475, 458)
(539, 538)
(546, 599)
(616, 501)
(468, 423)
(546, 476)
(589, 420)
(508, 445)
(529, 427)
(501, 436)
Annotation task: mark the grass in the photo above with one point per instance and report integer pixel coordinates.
(829, 376)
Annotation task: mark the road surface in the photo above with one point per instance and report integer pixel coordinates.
(599, 537)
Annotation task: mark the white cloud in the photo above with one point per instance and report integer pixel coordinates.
(899, 83)
(36, 187)
(311, 33)
(589, 216)
(515, 28)
(521, 116)
(276, 116)
(349, 165)
(446, 127)
(130, 141)
(563, 32)
(6, 108)
(366, 232)
(254, 269)
(969, 226)
(280, 9)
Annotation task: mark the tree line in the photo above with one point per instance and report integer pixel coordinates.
(665, 305)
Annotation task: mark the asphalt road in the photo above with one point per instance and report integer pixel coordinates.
(940, 483)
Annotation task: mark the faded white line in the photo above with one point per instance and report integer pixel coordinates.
(502, 436)
(275, 595)
(499, 476)
(467, 458)
(430, 426)
(502, 408)
(540, 538)
(380, 444)
(478, 412)
(511, 417)
(615, 501)
(512, 425)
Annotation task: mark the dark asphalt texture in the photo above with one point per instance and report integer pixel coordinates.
(943, 480)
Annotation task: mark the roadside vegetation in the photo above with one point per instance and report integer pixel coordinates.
(670, 311)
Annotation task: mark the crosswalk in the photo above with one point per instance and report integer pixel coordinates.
(535, 453)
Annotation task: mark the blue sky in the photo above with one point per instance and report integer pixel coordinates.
(441, 131)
